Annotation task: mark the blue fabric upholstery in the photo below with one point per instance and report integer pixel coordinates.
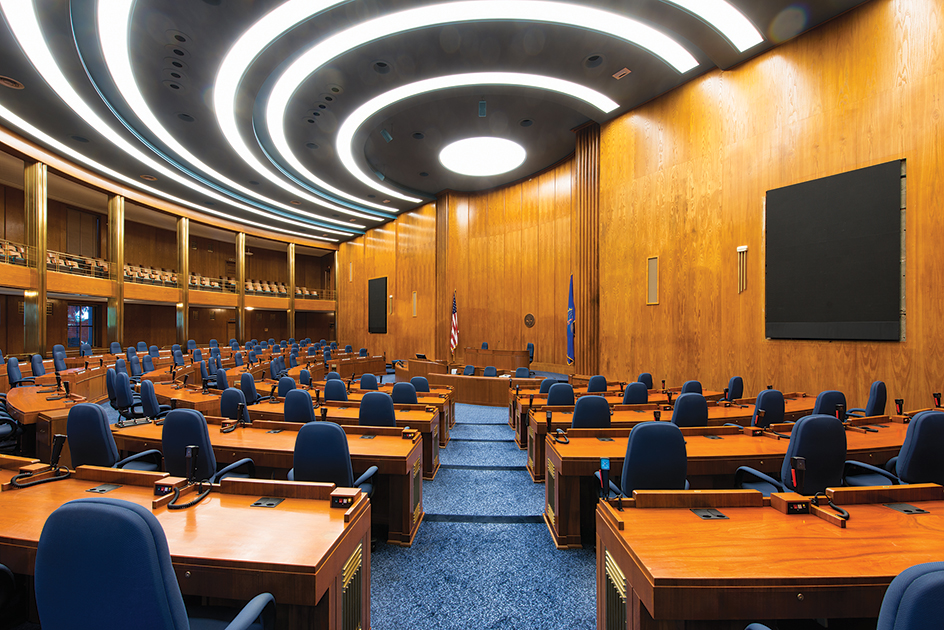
(646, 378)
(546, 385)
(109, 386)
(691, 410)
(175, 347)
(135, 365)
(469, 370)
(404, 394)
(197, 355)
(238, 359)
(490, 371)
(312, 351)
(771, 402)
(149, 405)
(420, 383)
(560, 394)
(248, 385)
(214, 343)
(92, 540)
(128, 405)
(368, 381)
(878, 397)
(484, 345)
(915, 599)
(154, 352)
(522, 372)
(590, 412)
(735, 388)
(59, 361)
(230, 400)
(321, 454)
(286, 384)
(85, 350)
(597, 384)
(91, 441)
(636, 394)
(918, 461)
(299, 407)
(185, 427)
(233, 345)
(827, 402)
(333, 376)
(691, 387)
(304, 377)
(348, 349)
(191, 344)
(147, 364)
(530, 347)
(377, 410)
(655, 458)
(222, 379)
(178, 358)
(363, 352)
(130, 352)
(36, 364)
(115, 347)
(335, 390)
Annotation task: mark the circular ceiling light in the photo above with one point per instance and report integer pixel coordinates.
(480, 157)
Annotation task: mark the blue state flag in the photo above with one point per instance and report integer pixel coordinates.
(570, 323)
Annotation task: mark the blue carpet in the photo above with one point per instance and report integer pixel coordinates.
(483, 557)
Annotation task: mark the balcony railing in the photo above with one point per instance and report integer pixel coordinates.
(151, 276)
(76, 265)
(215, 285)
(13, 253)
(301, 293)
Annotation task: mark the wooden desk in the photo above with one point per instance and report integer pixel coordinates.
(661, 568)
(405, 370)
(625, 418)
(480, 390)
(500, 359)
(356, 366)
(297, 550)
(188, 398)
(316, 370)
(90, 383)
(571, 490)
(398, 498)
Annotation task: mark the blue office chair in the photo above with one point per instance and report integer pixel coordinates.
(185, 427)
(292, 360)
(469, 370)
(876, 404)
(136, 371)
(36, 365)
(597, 384)
(154, 352)
(770, 401)
(121, 367)
(490, 371)
(656, 459)
(560, 394)
(404, 394)
(636, 394)
(248, 385)
(691, 410)
(333, 376)
(196, 355)
(484, 345)
(85, 349)
(363, 352)
(110, 387)
(546, 385)
(368, 381)
(522, 372)
(327, 355)
(348, 349)
(152, 409)
(92, 540)
(205, 375)
(91, 442)
(147, 365)
(234, 345)
(222, 380)
(291, 341)
(215, 353)
(230, 400)
(312, 351)
(127, 402)
(59, 361)
(175, 347)
(130, 352)
(335, 390)
(591, 412)
(299, 406)
(238, 359)
(735, 389)
(530, 347)
(691, 387)
(10, 430)
(918, 461)
(377, 410)
(420, 384)
(322, 454)
(821, 440)
(115, 348)
(214, 343)
(828, 401)
(286, 384)
(304, 377)
(178, 358)
(191, 345)
(646, 378)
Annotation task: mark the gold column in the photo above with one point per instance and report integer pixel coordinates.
(116, 262)
(183, 280)
(241, 333)
(586, 231)
(34, 307)
(291, 290)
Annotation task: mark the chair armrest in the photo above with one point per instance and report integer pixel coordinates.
(153, 454)
(733, 424)
(859, 412)
(869, 468)
(262, 604)
(892, 465)
(13, 423)
(25, 379)
(370, 472)
(613, 487)
(747, 470)
(232, 468)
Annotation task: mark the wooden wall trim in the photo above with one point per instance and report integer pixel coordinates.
(586, 235)
(443, 309)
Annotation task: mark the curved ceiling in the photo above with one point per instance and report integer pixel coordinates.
(324, 119)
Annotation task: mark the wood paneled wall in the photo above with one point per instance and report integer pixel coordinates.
(684, 178)
(13, 218)
(312, 271)
(208, 258)
(212, 323)
(586, 246)
(155, 325)
(265, 325)
(148, 246)
(75, 231)
(268, 265)
(316, 325)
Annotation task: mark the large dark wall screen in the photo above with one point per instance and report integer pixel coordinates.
(377, 306)
(834, 257)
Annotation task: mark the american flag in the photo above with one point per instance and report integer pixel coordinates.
(454, 333)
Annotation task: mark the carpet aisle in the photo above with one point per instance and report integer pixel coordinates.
(483, 557)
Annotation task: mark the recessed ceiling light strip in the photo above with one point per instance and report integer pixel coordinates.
(575, 15)
(113, 29)
(349, 127)
(726, 19)
(21, 17)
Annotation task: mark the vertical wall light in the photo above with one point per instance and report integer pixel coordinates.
(652, 273)
(742, 268)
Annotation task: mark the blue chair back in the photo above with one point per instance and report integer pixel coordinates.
(121, 367)
(130, 352)
(332, 376)
(691, 410)
(377, 410)
(591, 412)
(214, 343)
(234, 345)
(135, 364)
(304, 377)
(13, 370)
(420, 384)
(560, 394)
(469, 370)
(222, 379)
(109, 384)
(327, 355)
(153, 352)
(36, 364)
(286, 384)
(655, 458)
(115, 347)
(230, 400)
(183, 428)
(248, 386)
(348, 349)
(490, 371)
(919, 460)
(335, 390)
(914, 600)
(124, 395)
(821, 439)
(877, 398)
(147, 365)
(597, 384)
(484, 345)
(404, 394)
(59, 361)
(238, 359)
(178, 358)
(321, 454)
(530, 352)
(363, 352)
(142, 346)
(735, 388)
(368, 381)
(283, 344)
(215, 353)
(691, 387)
(92, 540)
(85, 350)
(197, 355)
(771, 402)
(522, 372)
(149, 404)
(57, 348)
(299, 406)
(292, 360)
(90, 439)
(827, 401)
(191, 344)
(646, 378)
(175, 347)
(204, 374)
(312, 351)
(636, 394)
(546, 385)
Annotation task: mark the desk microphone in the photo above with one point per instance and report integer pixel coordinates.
(86, 365)
(324, 414)
(272, 397)
(549, 414)
(605, 477)
(656, 415)
(517, 390)
(58, 472)
(798, 473)
(317, 395)
(531, 401)
(841, 412)
(206, 386)
(725, 394)
(663, 385)
(622, 388)
(899, 405)
(58, 381)
(937, 399)
(668, 395)
(770, 387)
(101, 362)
